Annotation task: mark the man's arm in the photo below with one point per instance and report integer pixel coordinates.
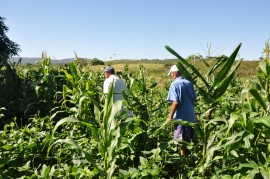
(173, 109)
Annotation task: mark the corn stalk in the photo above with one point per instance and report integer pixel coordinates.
(108, 133)
(259, 93)
(210, 88)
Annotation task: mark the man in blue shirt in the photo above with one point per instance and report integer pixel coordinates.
(182, 96)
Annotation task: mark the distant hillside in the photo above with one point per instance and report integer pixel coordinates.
(26, 60)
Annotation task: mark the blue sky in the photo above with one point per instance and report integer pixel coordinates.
(138, 29)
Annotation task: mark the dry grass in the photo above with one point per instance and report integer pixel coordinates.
(161, 67)
(158, 69)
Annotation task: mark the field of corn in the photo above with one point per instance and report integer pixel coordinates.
(57, 123)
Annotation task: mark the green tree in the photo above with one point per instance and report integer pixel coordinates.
(10, 83)
(8, 48)
(96, 61)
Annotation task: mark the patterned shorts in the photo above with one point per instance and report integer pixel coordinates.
(185, 133)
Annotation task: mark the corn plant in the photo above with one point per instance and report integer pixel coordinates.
(259, 93)
(107, 134)
(217, 80)
(144, 108)
(41, 87)
(80, 93)
(210, 90)
(97, 140)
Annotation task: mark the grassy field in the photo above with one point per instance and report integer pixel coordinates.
(159, 68)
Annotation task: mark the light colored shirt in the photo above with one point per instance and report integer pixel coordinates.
(119, 85)
(182, 91)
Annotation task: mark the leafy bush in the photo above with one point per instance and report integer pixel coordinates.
(96, 61)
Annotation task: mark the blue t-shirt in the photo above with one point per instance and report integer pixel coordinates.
(182, 91)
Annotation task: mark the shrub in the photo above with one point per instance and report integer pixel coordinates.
(96, 61)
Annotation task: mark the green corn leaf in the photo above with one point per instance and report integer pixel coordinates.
(263, 66)
(161, 127)
(111, 169)
(124, 125)
(226, 68)
(185, 73)
(268, 68)
(214, 121)
(222, 87)
(55, 114)
(216, 66)
(98, 114)
(207, 96)
(116, 108)
(188, 65)
(48, 61)
(210, 153)
(101, 149)
(108, 103)
(62, 121)
(234, 141)
(257, 96)
(74, 71)
(59, 123)
(183, 123)
(231, 122)
(67, 74)
(107, 113)
(66, 90)
(87, 99)
(92, 128)
(81, 103)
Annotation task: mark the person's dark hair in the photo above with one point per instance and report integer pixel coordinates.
(109, 69)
